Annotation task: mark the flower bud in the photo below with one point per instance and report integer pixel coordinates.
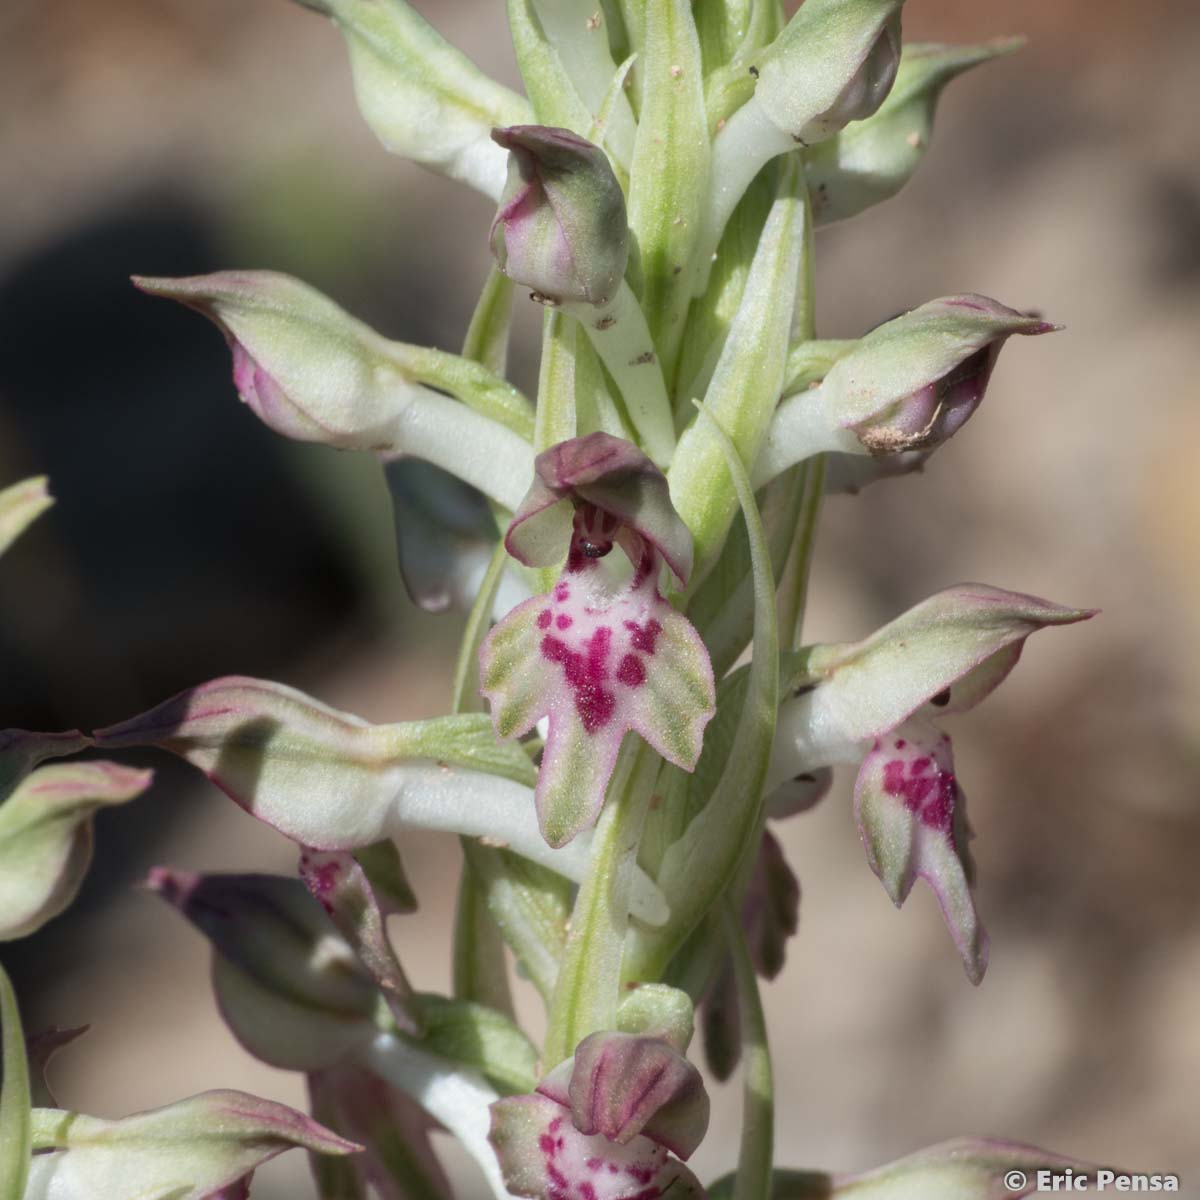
(834, 63)
(195, 1149)
(658, 1011)
(312, 372)
(871, 160)
(46, 835)
(561, 228)
(291, 988)
(908, 385)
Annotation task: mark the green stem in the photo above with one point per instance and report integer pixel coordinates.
(793, 587)
(465, 696)
(555, 421)
(758, 1088)
(793, 590)
(487, 335)
(15, 1116)
(588, 988)
(480, 970)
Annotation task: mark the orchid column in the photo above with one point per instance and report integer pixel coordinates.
(633, 698)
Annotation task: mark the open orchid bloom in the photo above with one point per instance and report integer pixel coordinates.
(875, 702)
(610, 1124)
(604, 652)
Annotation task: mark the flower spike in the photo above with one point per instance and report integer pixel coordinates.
(603, 652)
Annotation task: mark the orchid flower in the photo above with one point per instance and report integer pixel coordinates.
(610, 1124)
(876, 703)
(604, 652)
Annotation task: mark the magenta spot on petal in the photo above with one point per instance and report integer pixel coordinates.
(544, 619)
(562, 593)
(643, 637)
(927, 791)
(546, 1145)
(556, 1124)
(563, 621)
(594, 1164)
(586, 1191)
(641, 1174)
(900, 743)
(631, 672)
(586, 673)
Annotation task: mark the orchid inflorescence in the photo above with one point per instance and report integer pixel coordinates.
(633, 700)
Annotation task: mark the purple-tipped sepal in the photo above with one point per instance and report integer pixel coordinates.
(305, 367)
(904, 389)
(196, 1149)
(561, 229)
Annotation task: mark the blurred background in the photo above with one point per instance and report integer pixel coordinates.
(170, 137)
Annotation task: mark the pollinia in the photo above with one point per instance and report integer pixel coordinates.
(634, 702)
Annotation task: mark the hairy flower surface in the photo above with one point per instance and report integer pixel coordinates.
(605, 1125)
(603, 653)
